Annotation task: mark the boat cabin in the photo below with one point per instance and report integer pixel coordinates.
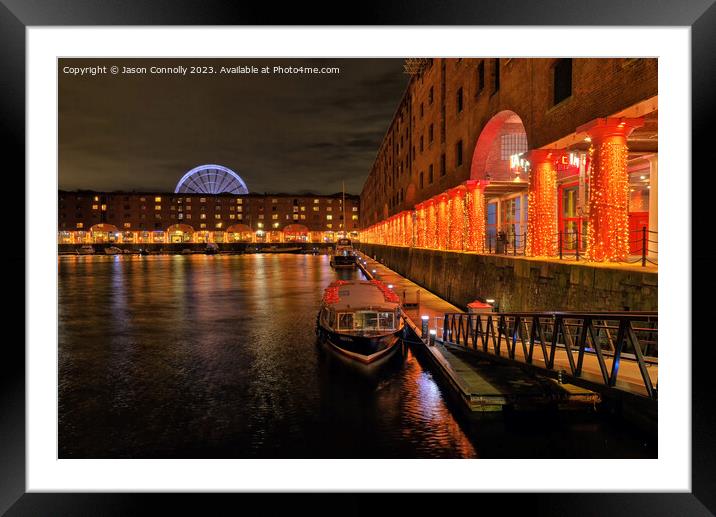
(364, 306)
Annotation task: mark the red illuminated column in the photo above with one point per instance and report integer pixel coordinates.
(404, 235)
(410, 218)
(420, 225)
(431, 221)
(458, 219)
(396, 230)
(401, 236)
(653, 246)
(475, 209)
(442, 221)
(403, 229)
(542, 203)
(608, 230)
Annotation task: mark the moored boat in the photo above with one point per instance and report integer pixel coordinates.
(87, 249)
(360, 318)
(343, 254)
(112, 250)
(276, 249)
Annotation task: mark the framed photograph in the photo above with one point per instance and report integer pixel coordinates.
(417, 254)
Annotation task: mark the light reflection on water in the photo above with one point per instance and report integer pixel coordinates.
(216, 356)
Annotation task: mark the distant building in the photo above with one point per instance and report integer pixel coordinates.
(161, 217)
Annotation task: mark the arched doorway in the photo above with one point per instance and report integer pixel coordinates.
(295, 233)
(504, 135)
(239, 233)
(180, 233)
(104, 232)
(500, 143)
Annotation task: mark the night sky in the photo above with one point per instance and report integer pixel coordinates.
(279, 132)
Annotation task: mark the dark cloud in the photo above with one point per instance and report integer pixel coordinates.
(279, 132)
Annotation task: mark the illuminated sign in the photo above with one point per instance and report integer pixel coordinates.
(519, 164)
(570, 163)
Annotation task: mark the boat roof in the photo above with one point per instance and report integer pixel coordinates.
(360, 294)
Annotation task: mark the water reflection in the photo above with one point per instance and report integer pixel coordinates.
(217, 356)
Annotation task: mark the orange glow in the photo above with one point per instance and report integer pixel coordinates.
(542, 203)
(608, 229)
(475, 209)
(420, 226)
(452, 220)
(431, 240)
(457, 225)
(442, 221)
(455, 219)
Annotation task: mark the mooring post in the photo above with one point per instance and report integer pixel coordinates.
(424, 330)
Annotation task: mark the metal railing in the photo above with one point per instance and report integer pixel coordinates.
(572, 245)
(620, 336)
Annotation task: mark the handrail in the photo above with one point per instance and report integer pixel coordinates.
(498, 335)
(568, 244)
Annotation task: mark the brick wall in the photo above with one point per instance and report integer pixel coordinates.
(600, 87)
(520, 284)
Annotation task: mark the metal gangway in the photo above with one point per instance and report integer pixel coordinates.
(614, 353)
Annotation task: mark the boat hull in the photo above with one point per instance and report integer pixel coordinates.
(281, 250)
(341, 261)
(365, 349)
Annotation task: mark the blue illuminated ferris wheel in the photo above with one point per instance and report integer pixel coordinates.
(211, 179)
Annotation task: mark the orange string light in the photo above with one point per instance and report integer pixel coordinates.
(458, 221)
(542, 204)
(442, 222)
(475, 209)
(608, 228)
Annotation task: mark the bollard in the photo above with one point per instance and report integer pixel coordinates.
(433, 334)
(424, 330)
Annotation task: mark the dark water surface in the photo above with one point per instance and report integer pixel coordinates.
(216, 356)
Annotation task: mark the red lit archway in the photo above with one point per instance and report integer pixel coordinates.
(239, 233)
(488, 160)
(180, 233)
(104, 232)
(295, 233)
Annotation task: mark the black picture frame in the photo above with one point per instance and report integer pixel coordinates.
(17, 15)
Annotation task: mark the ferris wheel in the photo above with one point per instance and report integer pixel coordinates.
(211, 179)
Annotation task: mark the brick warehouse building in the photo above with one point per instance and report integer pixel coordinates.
(160, 217)
(548, 154)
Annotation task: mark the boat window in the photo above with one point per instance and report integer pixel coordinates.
(331, 318)
(371, 320)
(345, 320)
(385, 319)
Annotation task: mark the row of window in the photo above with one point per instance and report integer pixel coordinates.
(218, 226)
(179, 200)
(561, 83)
